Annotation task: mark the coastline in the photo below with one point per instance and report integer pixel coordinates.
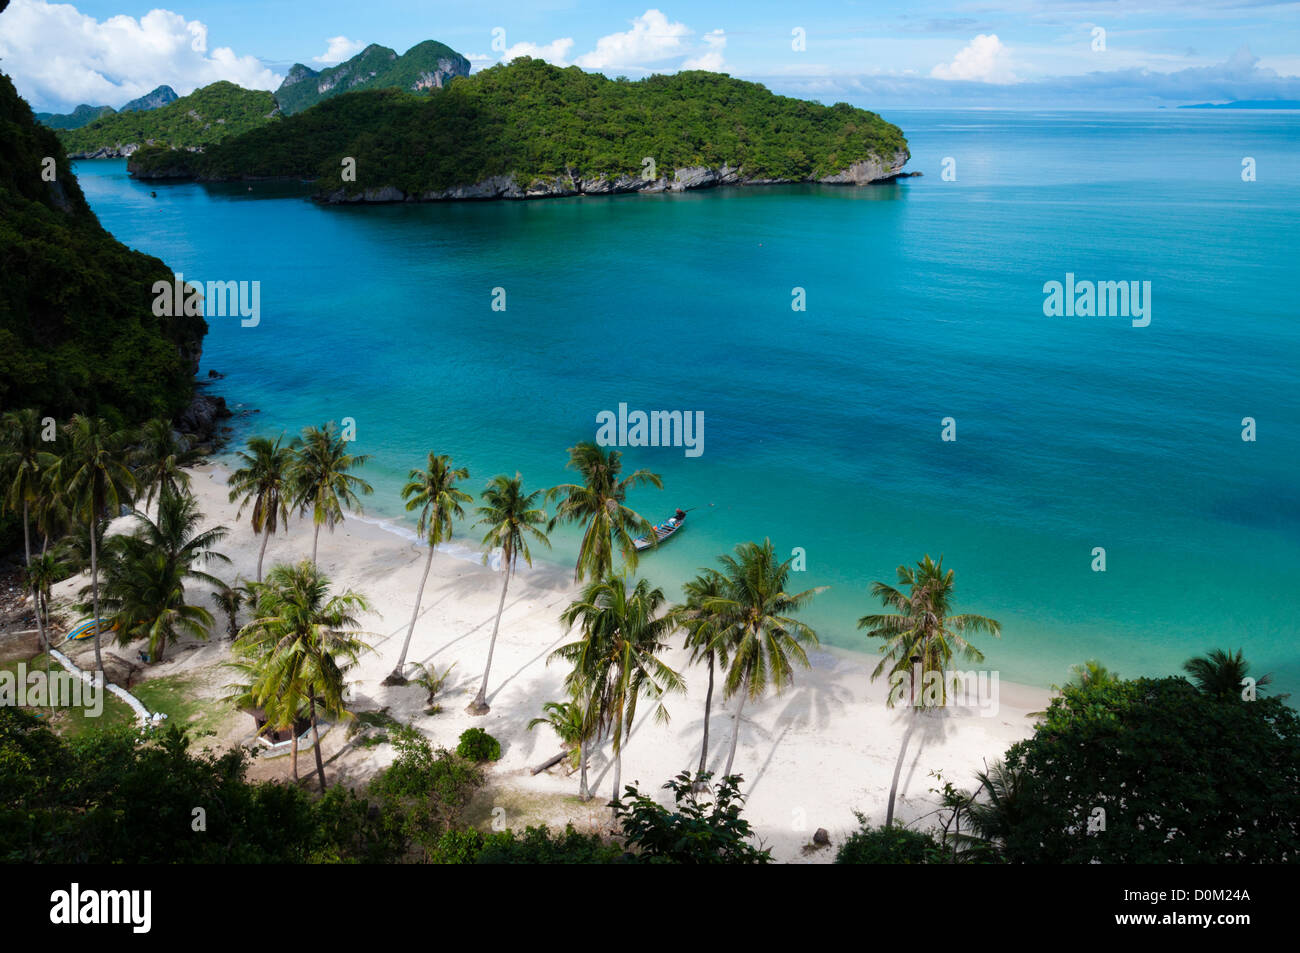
(810, 757)
(870, 171)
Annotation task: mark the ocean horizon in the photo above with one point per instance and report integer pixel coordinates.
(824, 428)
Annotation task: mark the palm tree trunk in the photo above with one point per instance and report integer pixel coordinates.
(315, 540)
(293, 749)
(94, 591)
(396, 677)
(583, 793)
(898, 768)
(708, 702)
(36, 592)
(315, 736)
(735, 728)
(45, 602)
(261, 553)
(618, 771)
(479, 705)
(40, 618)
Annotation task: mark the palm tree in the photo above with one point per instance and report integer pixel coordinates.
(922, 632)
(1082, 675)
(95, 478)
(144, 598)
(512, 518)
(761, 634)
(159, 459)
(1090, 672)
(24, 457)
(706, 628)
(568, 722)
(146, 573)
(322, 481)
(230, 599)
(995, 819)
(616, 662)
(264, 480)
(431, 680)
(42, 573)
(434, 493)
(1221, 674)
(176, 534)
(599, 503)
(298, 649)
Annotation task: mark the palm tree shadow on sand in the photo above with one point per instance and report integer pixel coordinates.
(924, 726)
(810, 705)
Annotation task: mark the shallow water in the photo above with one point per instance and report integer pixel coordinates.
(822, 428)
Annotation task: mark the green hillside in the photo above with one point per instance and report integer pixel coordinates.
(537, 121)
(81, 116)
(77, 329)
(426, 65)
(203, 117)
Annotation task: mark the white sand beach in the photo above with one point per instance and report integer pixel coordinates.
(827, 747)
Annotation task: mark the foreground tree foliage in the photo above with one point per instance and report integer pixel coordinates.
(117, 796)
(108, 798)
(889, 844)
(1181, 775)
(704, 828)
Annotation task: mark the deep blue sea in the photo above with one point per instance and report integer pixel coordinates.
(822, 427)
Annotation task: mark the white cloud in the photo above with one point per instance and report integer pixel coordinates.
(340, 49)
(716, 41)
(984, 60)
(557, 51)
(59, 57)
(652, 39)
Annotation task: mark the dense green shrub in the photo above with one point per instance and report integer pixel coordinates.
(425, 790)
(536, 845)
(888, 845)
(109, 797)
(477, 745)
(1154, 771)
(705, 827)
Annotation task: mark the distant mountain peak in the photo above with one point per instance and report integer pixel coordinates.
(427, 65)
(156, 99)
(83, 115)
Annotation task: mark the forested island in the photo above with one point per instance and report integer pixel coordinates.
(83, 115)
(223, 110)
(205, 116)
(529, 129)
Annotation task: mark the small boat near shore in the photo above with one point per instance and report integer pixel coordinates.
(662, 531)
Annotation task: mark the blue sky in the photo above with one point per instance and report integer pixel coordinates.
(1018, 53)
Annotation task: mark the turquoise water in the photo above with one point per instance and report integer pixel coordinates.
(822, 428)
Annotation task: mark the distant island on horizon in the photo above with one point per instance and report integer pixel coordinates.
(1248, 104)
(533, 130)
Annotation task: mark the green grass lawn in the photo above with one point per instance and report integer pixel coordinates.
(177, 697)
(72, 722)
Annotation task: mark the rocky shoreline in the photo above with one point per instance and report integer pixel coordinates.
(862, 172)
(122, 150)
